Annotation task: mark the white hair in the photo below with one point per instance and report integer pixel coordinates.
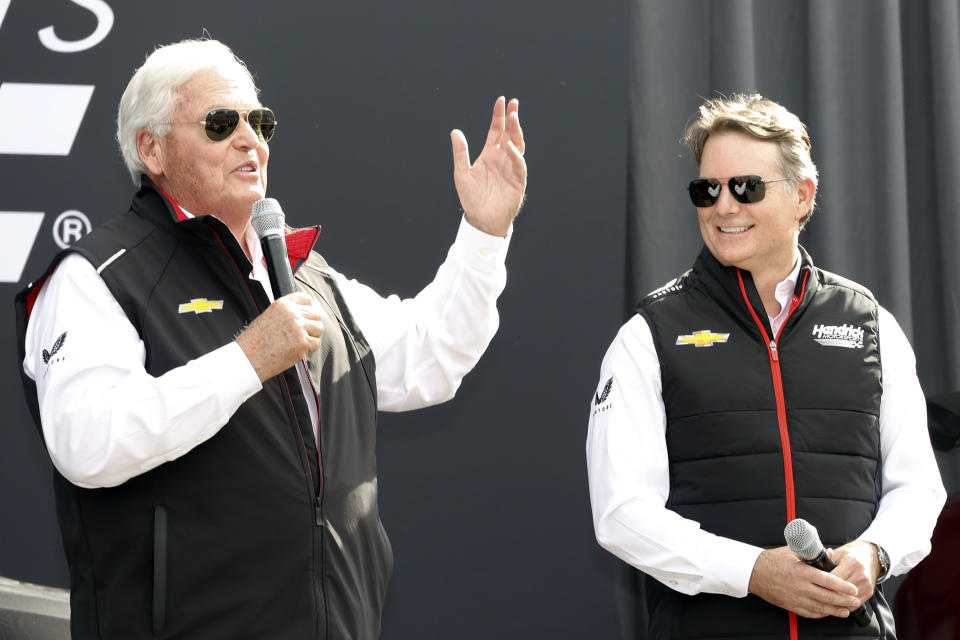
(151, 96)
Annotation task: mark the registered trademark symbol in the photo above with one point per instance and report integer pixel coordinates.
(69, 227)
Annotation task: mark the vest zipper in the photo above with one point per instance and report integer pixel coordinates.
(318, 505)
(776, 374)
(318, 499)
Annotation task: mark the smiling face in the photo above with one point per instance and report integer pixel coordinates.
(760, 237)
(205, 177)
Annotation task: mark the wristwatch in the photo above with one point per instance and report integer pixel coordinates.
(884, 560)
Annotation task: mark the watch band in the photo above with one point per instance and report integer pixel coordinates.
(884, 560)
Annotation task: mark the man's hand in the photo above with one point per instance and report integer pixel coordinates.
(288, 330)
(858, 564)
(491, 190)
(782, 579)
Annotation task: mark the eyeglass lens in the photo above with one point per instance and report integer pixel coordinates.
(704, 192)
(221, 123)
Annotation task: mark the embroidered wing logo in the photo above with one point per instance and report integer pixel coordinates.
(601, 397)
(56, 347)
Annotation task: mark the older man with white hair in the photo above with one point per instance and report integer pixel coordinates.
(214, 446)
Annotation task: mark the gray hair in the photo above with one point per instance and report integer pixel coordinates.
(151, 96)
(763, 119)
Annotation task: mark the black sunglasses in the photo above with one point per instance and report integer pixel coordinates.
(704, 192)
(221, 123)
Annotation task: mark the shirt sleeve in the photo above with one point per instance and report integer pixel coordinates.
(627, 468)
(425, 345)
(104, 418)
(913, 492)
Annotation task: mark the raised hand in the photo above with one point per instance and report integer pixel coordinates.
(285, 332)
(491, 190)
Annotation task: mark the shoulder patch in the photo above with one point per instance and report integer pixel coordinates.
(673, 286)
(601, 398)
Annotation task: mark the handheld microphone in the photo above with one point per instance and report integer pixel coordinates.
(803, 540)
(268, 222)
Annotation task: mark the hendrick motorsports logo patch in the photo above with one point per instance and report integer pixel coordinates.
(845, 335)
(201, 305)
(705, 338)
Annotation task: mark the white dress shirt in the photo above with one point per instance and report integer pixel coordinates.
(106, 420)
(628, 468)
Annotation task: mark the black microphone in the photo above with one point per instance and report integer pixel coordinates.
(268, 222)
(803, 540)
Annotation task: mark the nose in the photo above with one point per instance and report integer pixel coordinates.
(726, 204)
(245, 138)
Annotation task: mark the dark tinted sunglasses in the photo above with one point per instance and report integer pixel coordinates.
(221, 123)
(704, 192)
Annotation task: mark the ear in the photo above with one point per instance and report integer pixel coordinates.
(150, 151)
(806, 193)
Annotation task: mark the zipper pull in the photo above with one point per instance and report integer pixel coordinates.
(318, 511)
(773, 351)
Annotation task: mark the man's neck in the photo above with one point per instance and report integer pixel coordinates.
(240, 233)
(766, 282)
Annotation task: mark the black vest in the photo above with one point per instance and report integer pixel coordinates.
(254, 533)
(762, 429)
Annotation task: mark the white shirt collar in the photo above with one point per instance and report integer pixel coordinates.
(784, 295)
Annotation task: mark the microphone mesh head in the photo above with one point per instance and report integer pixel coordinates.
(267, 218)
(802, 538)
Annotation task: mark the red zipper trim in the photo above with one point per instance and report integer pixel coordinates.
(781, 410)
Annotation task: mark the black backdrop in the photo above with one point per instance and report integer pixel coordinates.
(485, 497)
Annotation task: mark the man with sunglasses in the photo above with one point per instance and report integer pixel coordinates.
(753, 390)
(215, 447)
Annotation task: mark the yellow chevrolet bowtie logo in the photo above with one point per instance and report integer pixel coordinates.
(704, 338)
(201, 305)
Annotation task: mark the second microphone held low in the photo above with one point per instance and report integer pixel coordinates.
(803, 540)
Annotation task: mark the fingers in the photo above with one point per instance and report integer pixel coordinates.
(312, 324)
(504, 128)
(309, 315)
(834, 583)
(832, 595)
(497, 122)
(781, 579)
(284, 333)
(513, 131)
(461, 153)
(516, 157)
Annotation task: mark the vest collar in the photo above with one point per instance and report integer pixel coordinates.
(152, 203)
(723, 284)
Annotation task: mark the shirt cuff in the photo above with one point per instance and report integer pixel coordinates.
(480, 250)
(235, 370)
(734, 566)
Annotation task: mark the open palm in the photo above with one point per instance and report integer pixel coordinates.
(491, 189)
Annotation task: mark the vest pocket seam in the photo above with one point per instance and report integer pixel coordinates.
(159, 568)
